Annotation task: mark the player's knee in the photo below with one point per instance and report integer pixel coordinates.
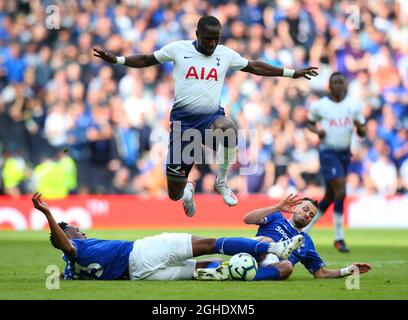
(230, 125)
(225, 131)
(285, 269)
(202, 245)
(210, 244)
(340, 194)
(225, 125)
(329, 198)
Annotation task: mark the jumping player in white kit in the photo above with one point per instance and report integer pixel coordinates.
(200, 67)
(338, 114)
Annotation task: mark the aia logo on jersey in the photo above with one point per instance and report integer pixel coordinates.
(202, 74)
(338, 123)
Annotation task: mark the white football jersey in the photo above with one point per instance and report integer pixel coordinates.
(337, 120)
(199, 78)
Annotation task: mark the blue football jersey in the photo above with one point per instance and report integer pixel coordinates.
(98, 259)
(278, 228)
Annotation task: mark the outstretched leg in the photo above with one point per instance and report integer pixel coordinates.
(339, 187)
(224, 141)
(178, 168)
(323, 205)
(234, 245)
(168, 256)
(279, 271)
(270, 268)
(227, 246)
(182, 189)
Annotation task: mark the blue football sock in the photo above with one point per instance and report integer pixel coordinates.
(267, 273)
(231, 246)
(323, 205)
(338, 205)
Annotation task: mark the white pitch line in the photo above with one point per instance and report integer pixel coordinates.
(372, 262)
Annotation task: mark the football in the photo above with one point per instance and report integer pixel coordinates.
(243, 266)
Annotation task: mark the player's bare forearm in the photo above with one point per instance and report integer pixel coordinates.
(59, 236)
(136, 61)
(257, 216)
(261, 68)
(356, 267)
(140, 61)
(327, 274)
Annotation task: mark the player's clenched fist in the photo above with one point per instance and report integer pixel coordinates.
(105, 55)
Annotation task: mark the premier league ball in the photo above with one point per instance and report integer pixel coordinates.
(242, 266)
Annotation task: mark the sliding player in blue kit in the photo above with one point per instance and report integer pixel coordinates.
(273, 226)
(163, 257)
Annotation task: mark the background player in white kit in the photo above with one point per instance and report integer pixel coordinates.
(199, 70)
(338, 114)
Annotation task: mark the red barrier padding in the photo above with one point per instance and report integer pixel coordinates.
(134, 212)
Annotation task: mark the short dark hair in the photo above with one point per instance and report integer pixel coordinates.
(335, 74)
(63, 226)
(314, 202)
(207, 21)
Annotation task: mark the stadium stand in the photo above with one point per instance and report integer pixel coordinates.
(54, 93)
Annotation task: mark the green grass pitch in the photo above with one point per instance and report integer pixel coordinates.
(25, 256)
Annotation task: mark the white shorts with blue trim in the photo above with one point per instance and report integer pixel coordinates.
(162, 257)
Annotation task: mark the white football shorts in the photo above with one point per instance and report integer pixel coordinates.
(162, 257)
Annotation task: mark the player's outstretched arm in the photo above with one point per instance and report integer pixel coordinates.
(261, 68)
(257, 216)
(136, 61)
(360, 267)
(61, 239)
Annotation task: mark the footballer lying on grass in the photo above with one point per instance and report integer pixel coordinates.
(163, 257)
(274, 227)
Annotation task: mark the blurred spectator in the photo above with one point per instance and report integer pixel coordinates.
(404, 177)
(14, 173)
(57, 123)
(55, 177)
(281, 187)
(383, 173)
(354, 185)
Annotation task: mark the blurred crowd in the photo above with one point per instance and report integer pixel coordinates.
(55, 95)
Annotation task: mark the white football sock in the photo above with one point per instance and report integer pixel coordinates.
(338, 226)
(187, 194)
(228, 155)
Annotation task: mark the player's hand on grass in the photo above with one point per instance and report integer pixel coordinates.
(362, 267)
(306, 73)
(105, 55)
(38, 204)
(288, 203)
